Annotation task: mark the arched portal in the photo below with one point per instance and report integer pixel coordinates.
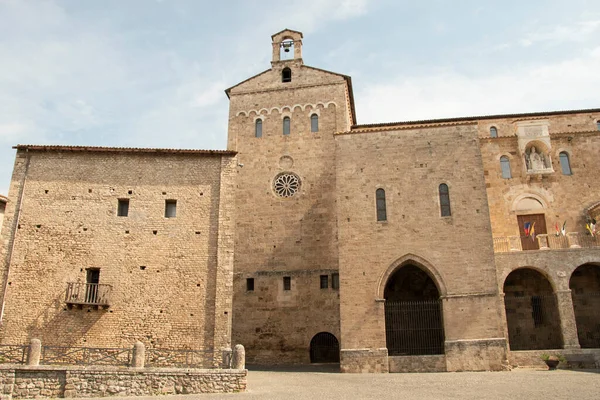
(531, 311)
(413, 313)
(585, 290)
(324, 348)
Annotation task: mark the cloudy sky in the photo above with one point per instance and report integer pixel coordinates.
(151, 73)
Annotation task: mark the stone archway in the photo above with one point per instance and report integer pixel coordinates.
(324, 348)
(585, 291)
(531, 311)
(413, 313)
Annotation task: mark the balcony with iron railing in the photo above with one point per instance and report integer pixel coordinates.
(572, 240)
(88, 294)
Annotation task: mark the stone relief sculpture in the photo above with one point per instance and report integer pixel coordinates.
(536, 161)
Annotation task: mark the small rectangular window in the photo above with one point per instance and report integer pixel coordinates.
(335, 281)
(287, 283)
(123, 207)
(324, 281)
(170, 208)
(250, 284)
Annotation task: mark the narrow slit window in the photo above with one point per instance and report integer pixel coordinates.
(565, 164)
(250, 284)
(286, 75)
(123, 207)
(287, 283)
(258, 128)
(314, 123)
(505, 166)
(493, 132)
(335, 281)
(286, 126)
(381, 207)
(170, 208)
(444, 200)
(598, 124)
(324, 281)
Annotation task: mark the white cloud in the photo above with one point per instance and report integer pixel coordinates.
(577, 32)
(563, 85)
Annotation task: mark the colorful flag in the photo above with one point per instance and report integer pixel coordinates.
(591, 227)
(527, 228)
(564, 228)
(532, 233)
(557, 229)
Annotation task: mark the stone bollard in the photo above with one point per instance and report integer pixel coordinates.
(239, 357)
(226, 356)
(34, 352)
(139, 355)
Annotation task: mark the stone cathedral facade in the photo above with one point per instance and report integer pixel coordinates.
(439, 245)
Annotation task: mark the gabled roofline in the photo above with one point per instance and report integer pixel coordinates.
(475, 118)
(283, 30)
(245, 80)
(100, 149)
(346, 77)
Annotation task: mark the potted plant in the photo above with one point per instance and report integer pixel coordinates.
(552, 361)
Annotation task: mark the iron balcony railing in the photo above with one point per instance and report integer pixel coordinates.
(572, 240)
(88, 294)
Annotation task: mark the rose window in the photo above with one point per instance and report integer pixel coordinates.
(286, 184)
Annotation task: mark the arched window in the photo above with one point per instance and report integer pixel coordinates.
(314, 123)
(564, 163)
(493, 132)
(258, 128)
(445, 200)
(380, 200)
(286, 126)
(505, 166)
(286, 75)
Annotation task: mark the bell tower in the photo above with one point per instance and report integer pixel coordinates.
(282, 123)
(287, 45)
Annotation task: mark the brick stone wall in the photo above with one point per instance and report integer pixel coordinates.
(564, 197)
(171, 277)
(55, 382)
(456, 251)
(293, 237)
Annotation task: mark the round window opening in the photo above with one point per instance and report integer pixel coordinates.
(286, 184)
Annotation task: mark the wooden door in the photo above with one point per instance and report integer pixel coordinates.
(539, 225)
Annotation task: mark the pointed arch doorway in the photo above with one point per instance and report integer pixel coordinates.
(413, 313)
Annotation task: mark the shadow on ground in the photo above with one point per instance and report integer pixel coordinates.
(323, 368)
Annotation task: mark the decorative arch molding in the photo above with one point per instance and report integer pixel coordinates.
(554, 285)
(290, 108)
(420, 262)
(593, 211)
(515, 204)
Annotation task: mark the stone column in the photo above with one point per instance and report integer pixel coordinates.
(573, 240)
(514, 243)
(568, 326)
(239, 357)
(543, 242)
(34, 352)
(139, 355)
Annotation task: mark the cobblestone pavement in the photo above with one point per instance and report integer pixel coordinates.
(323, 383)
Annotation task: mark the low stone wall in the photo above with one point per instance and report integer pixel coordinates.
(26, 382)
(532, 358)
(364, 360)
(435, 363)
(476, 355)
